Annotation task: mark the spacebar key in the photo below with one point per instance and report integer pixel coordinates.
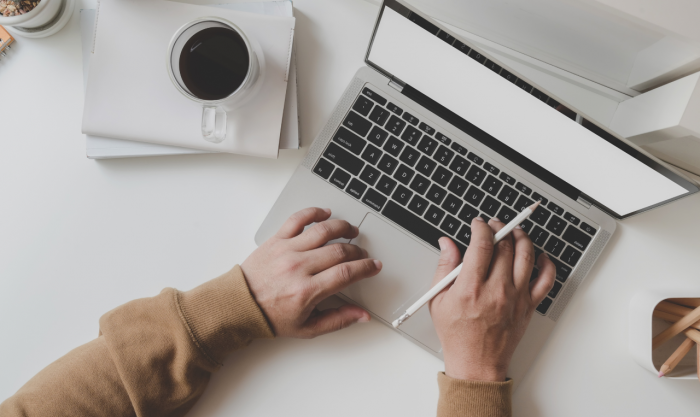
(415, 225)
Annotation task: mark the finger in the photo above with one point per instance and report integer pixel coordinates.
(334, 319)
(477, 259)
(449, 260)
(502, 263)
(335, 279)
(296, 223)
(318, 260)
(524, 259)
(544, 281)
(323, 232)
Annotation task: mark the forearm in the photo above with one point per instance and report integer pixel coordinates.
(461, 398)
(154, 356)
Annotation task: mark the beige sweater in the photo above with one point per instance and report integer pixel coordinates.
(154, 357)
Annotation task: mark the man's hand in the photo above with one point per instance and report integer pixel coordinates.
(482, 316)
(293, 271)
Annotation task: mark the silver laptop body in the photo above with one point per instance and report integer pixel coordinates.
(406, 175)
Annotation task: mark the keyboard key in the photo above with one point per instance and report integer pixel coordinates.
(442, 176)
(555, 290)
(468, 213)
(344, 159)
(415, 225)
(427, 145)
(540, 95)
(442, 138)
(363, 105)
(386, 185)
(544, 305)
(508, 195)
(426, 166)
(410, 118)
(393, 146)
(475, 158)
(458, 148)
(420, 184)
(370, 175)
(458, 186)
(452, 204)
(465, 234)
(436, 194)
(476, 175)
(462, 47)
(539, 236)
(356, 188)
(526, 225)
(588, 228)
(571, 218)
(459, 165)
(387, 164)
(474, 196)
(395, 125)
(523, 188)
(443, 155)
(374, 96)
(570, 256)
(340, 178)
(563, 270)
(323, 168)
(477, 56)
(411, 135)
(576, 238)
(540, 215)
(450, 225)
(492, 185)
(349, 140)
(492, 169)
(538, 197)
(425, 128)
(554, 246)
(402, 195)
(394, 108)
(373, 199)
(378, 135)
(493, 66)
(357, 124)
(379, 115)
(522, 203)
(372, 154)
(507, 178)
(434, 215)
(522, 84)
(418, 205)
(556, 225)
(555, 208)
(490, 206)
(506, 214)
(404, 174)
(446, 37)
(508, 76)
(409, 156)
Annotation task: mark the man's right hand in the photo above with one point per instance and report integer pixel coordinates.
(482, 316)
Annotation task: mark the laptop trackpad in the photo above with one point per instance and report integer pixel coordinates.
(407, 275)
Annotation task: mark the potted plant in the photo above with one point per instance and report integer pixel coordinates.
(35, 18)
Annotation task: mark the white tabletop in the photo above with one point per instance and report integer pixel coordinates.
(79, 237)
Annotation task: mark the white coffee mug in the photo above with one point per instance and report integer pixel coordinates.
(214, 111)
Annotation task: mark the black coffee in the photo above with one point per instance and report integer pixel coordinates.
(214, 63)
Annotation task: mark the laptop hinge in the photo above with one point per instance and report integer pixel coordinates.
(582, 201)
(397, 84)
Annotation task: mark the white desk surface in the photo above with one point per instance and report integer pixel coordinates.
(80, 237)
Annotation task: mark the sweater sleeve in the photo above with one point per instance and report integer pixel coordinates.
(460, 398)
(153, 357)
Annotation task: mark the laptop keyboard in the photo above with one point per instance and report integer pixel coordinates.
(431, 186)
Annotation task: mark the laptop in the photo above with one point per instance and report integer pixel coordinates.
(433, 132)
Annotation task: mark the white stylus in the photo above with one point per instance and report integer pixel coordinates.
(455, 272)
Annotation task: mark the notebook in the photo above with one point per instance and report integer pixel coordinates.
(108, 148)
(138, 101)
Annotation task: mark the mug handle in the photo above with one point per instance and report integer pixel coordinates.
(214, 124)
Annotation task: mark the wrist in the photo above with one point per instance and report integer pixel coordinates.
(460, 369)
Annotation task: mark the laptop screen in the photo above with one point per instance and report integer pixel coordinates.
(516, 119)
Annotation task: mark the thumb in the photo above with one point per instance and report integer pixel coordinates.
(333, 319)
(449, 259)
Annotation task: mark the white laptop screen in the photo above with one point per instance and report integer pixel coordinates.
(614, 175)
